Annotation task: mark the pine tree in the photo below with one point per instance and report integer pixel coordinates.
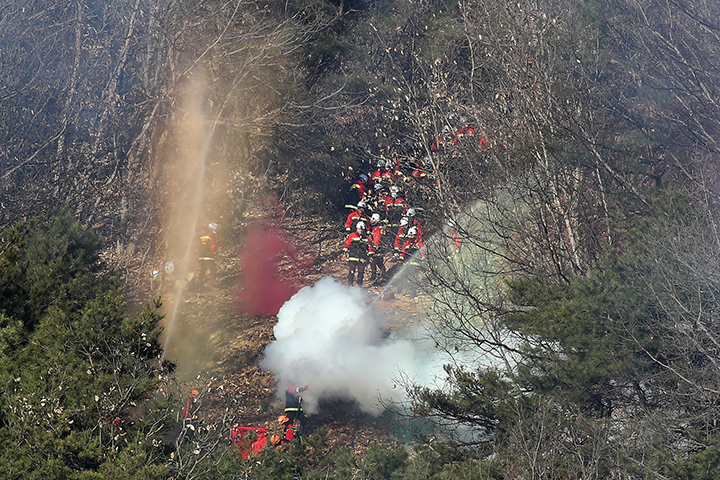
(77, 373)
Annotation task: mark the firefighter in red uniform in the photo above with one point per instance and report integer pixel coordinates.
(357, 249)
(408, 256)
(376, 175)
(414, 222)
(394, 206)
(358, 191)
(207, 250)
(358, 215)
(401, 235)
(377, 262)
(293, 409)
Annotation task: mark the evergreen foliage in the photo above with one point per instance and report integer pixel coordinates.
(76, 371)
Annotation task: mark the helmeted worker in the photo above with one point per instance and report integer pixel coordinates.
(408, 256)
(394, 206)
(376, 199)
(376, 175)
(412, 245)
(401, 235)
(207, 250)
(293, 408)
(357, 249)
(411, 212)
(358, 191)
(377, 262)
(357, 215)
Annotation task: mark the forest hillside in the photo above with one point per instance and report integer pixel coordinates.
(556, 321)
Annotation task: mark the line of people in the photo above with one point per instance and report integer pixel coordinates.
(372, 235)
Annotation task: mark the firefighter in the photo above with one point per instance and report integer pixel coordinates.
(376, 175)
(377, 262)
(376, 200)
(394, 206)
(357, 215)
(358, 191)
(408, 256)
(357, 249)
(401, 235)
(293, 408)
(288, 433)
(412, 245)
(207, 250)
(413, 222)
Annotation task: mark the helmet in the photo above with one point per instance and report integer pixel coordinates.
(381, 163)
(364, 178)
(411, 212)
(283, 419)
(394, 189)
(360, 226)
(412, 231)
(378, 187)
(362, 204)
(213, 226)
(375, 218)
(404, 221)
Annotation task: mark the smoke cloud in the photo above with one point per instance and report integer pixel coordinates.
(330, 339)
(263, 291)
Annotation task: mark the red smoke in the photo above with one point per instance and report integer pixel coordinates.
(264, 288)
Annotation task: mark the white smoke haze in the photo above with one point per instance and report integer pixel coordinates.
(330, 339)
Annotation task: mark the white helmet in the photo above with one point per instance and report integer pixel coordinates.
(412, 231)
(381, 163)
(375, 218)
(404, 221)
(360, 226)
(213, 226)
(362, 204)
(394, 189)
(378, 187)
(411, 212)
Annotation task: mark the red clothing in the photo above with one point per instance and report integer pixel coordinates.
(358, 247)
(375, 237)
(416, 224)
(389, 176)
(394, 204)
(401, 237)
(411, 246)
(353, 218)
(208, 246)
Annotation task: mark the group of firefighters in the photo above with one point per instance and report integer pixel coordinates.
(381, 221)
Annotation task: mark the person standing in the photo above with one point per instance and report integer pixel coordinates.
(293, 408)
(357, 249)
(207, 251)
(377, 262)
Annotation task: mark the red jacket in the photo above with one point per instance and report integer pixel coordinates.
(394, 204)
(208, 247)
(400, 237)
(411, 246)
(375, 236)
(358, 247)
(353, 218)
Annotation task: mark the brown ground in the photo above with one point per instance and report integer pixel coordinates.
(222, 347)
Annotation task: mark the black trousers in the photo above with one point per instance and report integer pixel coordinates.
(356, 266)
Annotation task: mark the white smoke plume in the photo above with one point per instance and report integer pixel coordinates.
(330, 339)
